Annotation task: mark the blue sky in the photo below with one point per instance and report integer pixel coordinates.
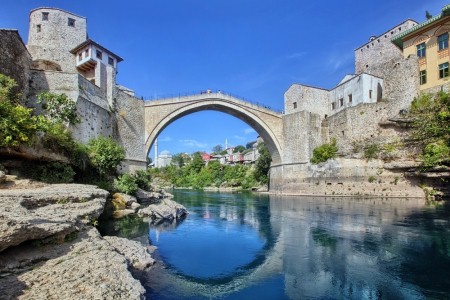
(252, 49)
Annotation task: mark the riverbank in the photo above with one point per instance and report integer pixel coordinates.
(50, 248)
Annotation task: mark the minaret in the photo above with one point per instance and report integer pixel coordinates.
(226, 144)
(156, 153)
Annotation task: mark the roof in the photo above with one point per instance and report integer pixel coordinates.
(399, 38)
(55, 8)
(384, 33)
(91, 42)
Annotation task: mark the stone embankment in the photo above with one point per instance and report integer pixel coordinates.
(50, 250)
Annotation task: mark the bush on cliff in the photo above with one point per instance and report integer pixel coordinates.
(324, 152)
(431, 127)
(18, 126)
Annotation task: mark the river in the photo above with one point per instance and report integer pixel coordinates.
(251, 246)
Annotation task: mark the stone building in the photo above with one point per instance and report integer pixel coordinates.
(60, 58)
(429, 42)
(379, 50)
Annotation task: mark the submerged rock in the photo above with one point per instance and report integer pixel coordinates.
(166, 210)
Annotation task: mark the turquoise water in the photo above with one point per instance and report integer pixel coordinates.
(244, 246)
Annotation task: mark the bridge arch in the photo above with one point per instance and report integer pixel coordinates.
(267, 123)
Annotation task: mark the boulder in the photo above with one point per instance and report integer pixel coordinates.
(165, 210)
(137, 255)
(89, 267)
(135, 206)
(48, 212)
(148, 197)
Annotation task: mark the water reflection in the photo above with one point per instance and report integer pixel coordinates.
(297, 248)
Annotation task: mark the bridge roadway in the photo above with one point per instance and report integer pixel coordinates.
(266, 122)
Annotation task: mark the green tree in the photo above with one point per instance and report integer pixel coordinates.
(59, 108)
(239, 149)
(431, 127)
(178, 160)
(263, 164)
(18, 126)
(217, 149)
(197, 162)
(105, 154)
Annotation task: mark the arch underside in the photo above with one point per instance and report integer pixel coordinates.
(271, 140)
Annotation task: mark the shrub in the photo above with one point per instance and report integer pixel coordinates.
(59, 108)
(142, 179)
(126, 184)
(17, 125)
(435, 154)
(371, 151)
(105, 154)
(324, 152)
(53, 172)
(372, 179)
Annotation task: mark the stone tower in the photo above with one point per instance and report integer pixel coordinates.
(53, 33)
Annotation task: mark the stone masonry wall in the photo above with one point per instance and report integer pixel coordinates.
(53, 39)
(15, 61)
(130, 130)
(302, 133)
(379, 50)
(361, 122)
(307, 98)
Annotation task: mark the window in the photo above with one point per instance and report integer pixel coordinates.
(71, 22)
(421, 50)
(443, 41)
(38, 27)
(443, 70)
(80, 56)
(295, 105)
(350, 98)
(86, 53)
(341, 102)
(370, 94)
(98, 54)
(45, 16)
(333, 106)
(423, 76)
(111, 62)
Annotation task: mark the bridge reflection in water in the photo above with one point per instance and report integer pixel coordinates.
(318, 248)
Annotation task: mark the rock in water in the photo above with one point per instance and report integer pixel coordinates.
(166, 210)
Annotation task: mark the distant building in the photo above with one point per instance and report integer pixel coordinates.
(429, 42)
(164, 159)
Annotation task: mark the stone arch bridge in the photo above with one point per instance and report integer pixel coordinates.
(266, 122)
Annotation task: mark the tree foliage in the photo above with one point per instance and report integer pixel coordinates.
(59, 108)
(431, 127)
(217, 149)
(105, 154)
(239, 149)
(324, 152)
(263, 164)
(18, 126)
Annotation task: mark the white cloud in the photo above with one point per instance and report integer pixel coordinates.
(249, 130)
(239, 138)
(193, 144)
(165, 139)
